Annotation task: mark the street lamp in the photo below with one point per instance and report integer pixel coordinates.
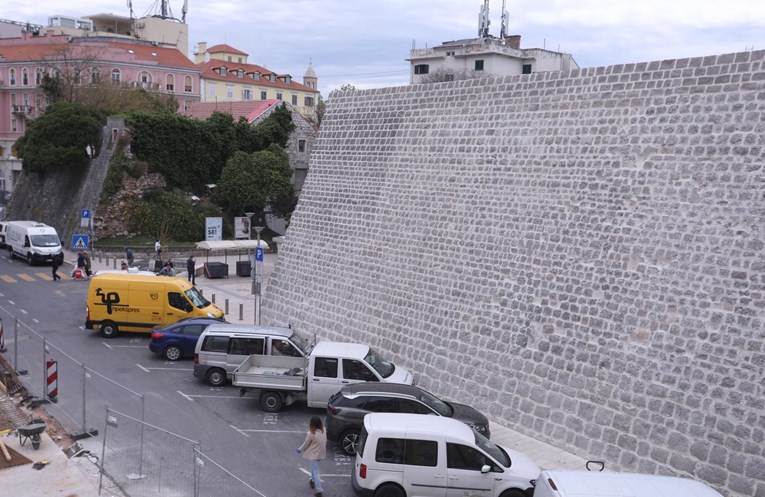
(257, 277)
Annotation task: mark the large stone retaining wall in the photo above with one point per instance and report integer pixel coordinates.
(580, 255)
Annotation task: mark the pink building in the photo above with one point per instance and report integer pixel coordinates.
(24, 60)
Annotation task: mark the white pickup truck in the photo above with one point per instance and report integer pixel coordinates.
(283, 380)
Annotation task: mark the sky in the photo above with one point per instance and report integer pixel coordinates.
(365, 43)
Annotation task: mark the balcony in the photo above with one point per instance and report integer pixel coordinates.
(24, 110)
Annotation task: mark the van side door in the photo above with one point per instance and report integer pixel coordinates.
(178, 307)
(323, 380)
(424, 467)
(355, 371)
(464, 476)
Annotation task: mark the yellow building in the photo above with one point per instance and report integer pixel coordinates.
(226, 76)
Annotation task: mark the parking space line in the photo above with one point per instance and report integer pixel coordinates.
(192, 396)
(147, 369)
(141, 367)
(272, 431)
(25, 277)
(240, 431)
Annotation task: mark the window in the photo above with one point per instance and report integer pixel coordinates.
(411, 452)
(263, 94)
(187, 84)
(301, 145)
(248, 346)
(450, 54)
(95, 77)
(144, 77)
(170, 83)
(116, 76)
(309, 101)
(77, 76)
(223, 71)
(38, 76)
(284, 348)
(192, 329)
(186, 105)
(412, 407)
(230, 92)
(479, 65)
(239, 59)
(246, 94)
(256, 76)
(211, 90)
(325, 367)
(178, 301)
(390, 450)
(25, 77)
(526, 69)
(278, 95)
(356, 370)
(464, 457)
(228, 57)
(380, 404)
(12, 77)
(421, 69)
(294, 99)
(215, 344)
(239, 73)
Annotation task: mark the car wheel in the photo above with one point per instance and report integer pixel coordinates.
(349, 441)
(216, 377)
(513, 493)
(271, 402)
(173, 353)
(29, 259)
(109, 329)
(389, 490)
(10, 252)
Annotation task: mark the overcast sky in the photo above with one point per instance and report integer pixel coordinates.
(365, 42)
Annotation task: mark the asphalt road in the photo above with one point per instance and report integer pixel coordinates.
(257, 447)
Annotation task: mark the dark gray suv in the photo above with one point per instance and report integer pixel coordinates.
(346, 409)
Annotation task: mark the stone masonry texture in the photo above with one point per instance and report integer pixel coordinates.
(579, 255)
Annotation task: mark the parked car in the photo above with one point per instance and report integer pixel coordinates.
(346, 410)
(178, 340)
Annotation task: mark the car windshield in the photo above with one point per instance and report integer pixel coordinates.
(494, 450)
(438, 405)
(45, 240)
(383, 367)
(303, 344)
(196, 298)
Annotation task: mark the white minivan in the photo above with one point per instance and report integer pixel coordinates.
(608, 484)
(36, 243)
(411, 455)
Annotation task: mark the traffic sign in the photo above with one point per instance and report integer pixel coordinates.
(80, 242)
(259, 254)
(85, 214)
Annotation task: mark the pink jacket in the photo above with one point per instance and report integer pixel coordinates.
(315, 446)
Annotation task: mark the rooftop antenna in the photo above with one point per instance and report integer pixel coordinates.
(505, 20)
(185, 9)
(483, 20)
(164, 9)
(130, 6)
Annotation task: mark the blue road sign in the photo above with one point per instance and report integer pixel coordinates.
(85, 214)
(259, 254)
(80, 242)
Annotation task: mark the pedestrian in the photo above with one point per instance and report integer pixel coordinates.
(129, 256)
(191, 269)
(167, 270)
(158, 249)
(86, 256)
(54, 264)
(314, 449)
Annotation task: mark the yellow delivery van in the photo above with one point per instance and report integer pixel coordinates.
(137, 302)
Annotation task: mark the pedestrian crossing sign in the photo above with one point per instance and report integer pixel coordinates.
(80, 242)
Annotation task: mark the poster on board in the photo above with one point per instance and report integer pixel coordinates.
(213, 228)
(242, 228)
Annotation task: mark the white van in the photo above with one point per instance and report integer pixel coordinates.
(606, 484)
(37, 243)
(411, 455)
(221, 348)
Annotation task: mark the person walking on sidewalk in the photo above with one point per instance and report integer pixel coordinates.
(314, 449)
(54, 264)
(191, 269)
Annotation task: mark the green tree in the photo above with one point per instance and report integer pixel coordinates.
(167, 215)
(59, 137)
(252, 182)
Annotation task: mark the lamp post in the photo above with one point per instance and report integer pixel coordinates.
(257, 276)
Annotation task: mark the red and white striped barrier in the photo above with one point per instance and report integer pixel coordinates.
(52, 380)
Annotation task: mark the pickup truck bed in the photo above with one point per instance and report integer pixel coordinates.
(271, 372)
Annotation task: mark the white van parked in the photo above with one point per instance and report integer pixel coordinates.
(606, 484)
(36, 243)
(411, 455)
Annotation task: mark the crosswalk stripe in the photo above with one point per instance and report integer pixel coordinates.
(25, 277)
(44, 276)
(7, 278)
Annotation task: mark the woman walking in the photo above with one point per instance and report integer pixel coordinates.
(314, 449)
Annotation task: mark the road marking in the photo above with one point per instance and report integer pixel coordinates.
(36, 321)
(2, 295)
(44, 276)
(185, 396)
(323, 474)
(191, 397)
(7, 278)
(240, 431)
(12, 302)
(25, 277)
(274, 431)
(141, 367)
(23, 311)
(126, 346)
(147, 369)
(107, 345)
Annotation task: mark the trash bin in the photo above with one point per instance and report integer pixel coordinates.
(216, 270)
(243, 268)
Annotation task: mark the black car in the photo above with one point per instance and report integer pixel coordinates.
(346, 409)
(178, 340)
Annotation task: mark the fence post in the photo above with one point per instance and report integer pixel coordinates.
(20, 372)
(85, 433)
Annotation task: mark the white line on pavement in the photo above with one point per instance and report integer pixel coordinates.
(185, 396)
(166, 369)
(12, 302)
(322, 475)
(273, 431)
(107, 345)
(23, 311)
(210, 396)
(240, 431)
(141, 367)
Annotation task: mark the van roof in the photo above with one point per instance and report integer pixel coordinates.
(29, 224)
(249, 329)
(144, 278)
(396, 424)
(609, 484)
(341, 349)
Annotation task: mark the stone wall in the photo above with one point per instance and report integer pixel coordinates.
(580, 255)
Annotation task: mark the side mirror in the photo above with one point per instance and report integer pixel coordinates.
(485, 468)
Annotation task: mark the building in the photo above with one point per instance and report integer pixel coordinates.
(301, 140)
(85, 61)
(227, 76)
(484, 56)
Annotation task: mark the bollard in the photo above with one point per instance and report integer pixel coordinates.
(241, 312)
(99, 257)
(201, 292)
(115, 262)
(213, 298)
(226, 306)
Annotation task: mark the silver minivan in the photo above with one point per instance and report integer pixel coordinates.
(223, 347)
